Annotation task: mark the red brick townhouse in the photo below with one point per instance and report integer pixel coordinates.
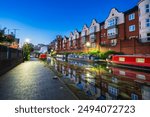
(127, 32)
(119, 31)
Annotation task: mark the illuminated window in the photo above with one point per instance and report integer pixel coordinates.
(140, 60)
(121, 59)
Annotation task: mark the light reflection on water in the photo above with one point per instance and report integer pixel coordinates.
(99, 81)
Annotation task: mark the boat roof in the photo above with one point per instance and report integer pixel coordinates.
(137, 55)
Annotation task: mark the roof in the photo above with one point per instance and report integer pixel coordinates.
(131, 10)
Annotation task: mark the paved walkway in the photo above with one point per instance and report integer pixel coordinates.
(32, 81)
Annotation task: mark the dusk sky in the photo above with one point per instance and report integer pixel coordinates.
(42, 20)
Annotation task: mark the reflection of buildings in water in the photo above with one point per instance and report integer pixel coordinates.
(74, 76)
(120, 88)
(52, 62)
(113, 91)
(113, 83)
(56, 67)
(146, 92)
(63, 70)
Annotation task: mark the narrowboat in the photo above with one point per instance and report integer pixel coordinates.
(141, 61)
(43, 56)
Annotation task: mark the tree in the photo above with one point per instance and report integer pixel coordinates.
(27, 49)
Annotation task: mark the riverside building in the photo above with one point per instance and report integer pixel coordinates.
(127, 32)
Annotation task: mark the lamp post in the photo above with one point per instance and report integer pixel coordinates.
(88, 45)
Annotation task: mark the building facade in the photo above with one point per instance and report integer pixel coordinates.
(127, 32)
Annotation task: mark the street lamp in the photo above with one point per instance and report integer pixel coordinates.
(88, 44)
(27, 40)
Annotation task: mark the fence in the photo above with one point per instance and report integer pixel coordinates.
(9, 58)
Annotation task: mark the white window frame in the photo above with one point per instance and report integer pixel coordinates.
(132, 28)
(92, 29)
(148, 22)
(147, 9)
(132, 16)
(112, 22)
(92, 37)
(112, 32)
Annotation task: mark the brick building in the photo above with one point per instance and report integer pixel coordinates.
(127, 32)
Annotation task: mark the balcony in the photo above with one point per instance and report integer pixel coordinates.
(112, 36)
(144, 40)
(114, 26)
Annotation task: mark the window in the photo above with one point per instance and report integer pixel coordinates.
(140, 25)
(112, 22)
(147, 22)
(113, 90)
(132, 16)
(93, 45)
(134, 96)
(139, 12)
(141, 76)
(132, 28)
(83, 33)
(83, 40)
(112, 32)
(148, 36)
(103, 43)
(113, 42)
(121, 59)
(140, 60)
(122, 73)
(93, 29)
(75, 36)
(147, 8)
(92, 38)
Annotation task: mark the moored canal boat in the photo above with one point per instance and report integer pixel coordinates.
(137, 61)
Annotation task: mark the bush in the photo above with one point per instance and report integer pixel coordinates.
(106, 54)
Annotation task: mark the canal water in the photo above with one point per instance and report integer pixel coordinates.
(102, 82)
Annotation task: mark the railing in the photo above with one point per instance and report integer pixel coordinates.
(144, 40)
(112, 36)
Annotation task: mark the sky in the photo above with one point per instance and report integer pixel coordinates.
(41, 20)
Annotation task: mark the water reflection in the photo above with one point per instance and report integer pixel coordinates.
(99, 81)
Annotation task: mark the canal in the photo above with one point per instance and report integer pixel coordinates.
(99, 81)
